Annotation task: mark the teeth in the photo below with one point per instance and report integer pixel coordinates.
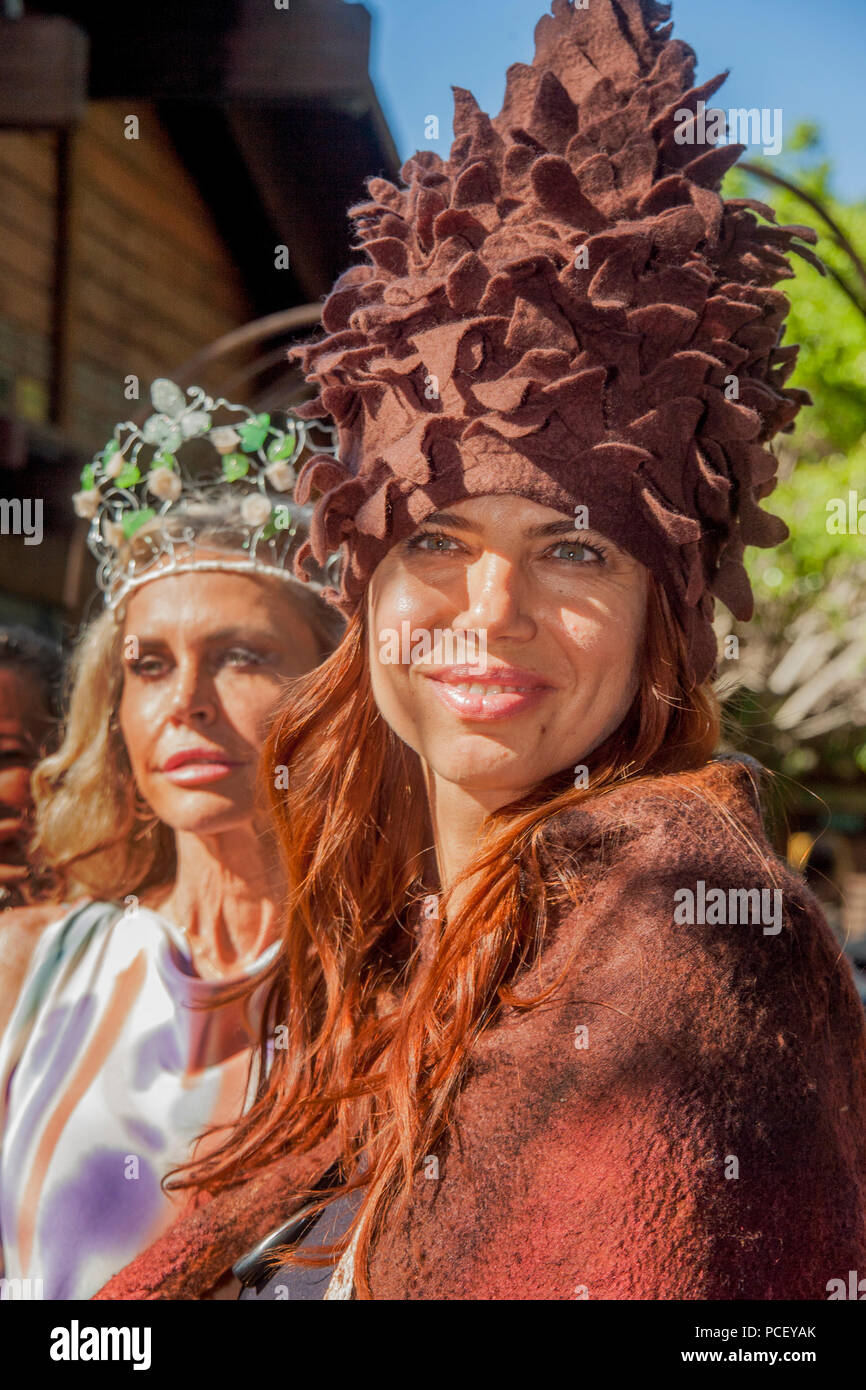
(476, 688)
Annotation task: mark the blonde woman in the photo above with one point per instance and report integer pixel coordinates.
(128, 1038)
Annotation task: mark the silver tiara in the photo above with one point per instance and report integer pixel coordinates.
(148, 511)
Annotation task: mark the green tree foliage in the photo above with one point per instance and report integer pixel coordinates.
(797, 688)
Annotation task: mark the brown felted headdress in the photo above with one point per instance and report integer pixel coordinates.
(566, 310)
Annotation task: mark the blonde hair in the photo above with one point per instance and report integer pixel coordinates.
(93, 830)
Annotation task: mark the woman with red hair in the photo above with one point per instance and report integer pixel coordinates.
(550, 1018)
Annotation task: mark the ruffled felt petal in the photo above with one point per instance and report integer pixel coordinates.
(570, 288)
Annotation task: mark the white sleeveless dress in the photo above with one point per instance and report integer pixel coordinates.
(109, 1071)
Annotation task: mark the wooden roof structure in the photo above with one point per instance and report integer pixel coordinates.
(259, 125)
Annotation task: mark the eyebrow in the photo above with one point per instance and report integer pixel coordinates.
(459, 523)
(223, 634)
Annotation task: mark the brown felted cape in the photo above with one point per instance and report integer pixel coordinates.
(565, 309)
(685, 1118)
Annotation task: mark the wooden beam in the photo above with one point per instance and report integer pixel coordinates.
(67, 283)
(249, 50)
(43, 71)
(310, 49)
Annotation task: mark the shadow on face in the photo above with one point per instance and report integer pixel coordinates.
(206, 659)
(559, 614)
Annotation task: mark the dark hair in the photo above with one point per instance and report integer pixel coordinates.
(24, 649)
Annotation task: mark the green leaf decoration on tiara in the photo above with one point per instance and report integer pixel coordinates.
(281, 520)
(235, 466)
(254, 433)
(148, 459)
(134, 521)
(128, 476)
(282, 447)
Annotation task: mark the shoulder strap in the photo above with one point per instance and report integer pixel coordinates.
(72, 932)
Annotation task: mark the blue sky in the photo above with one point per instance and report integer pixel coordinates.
(806, 58)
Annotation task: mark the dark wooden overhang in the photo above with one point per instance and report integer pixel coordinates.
(274, 114)
(272, 110)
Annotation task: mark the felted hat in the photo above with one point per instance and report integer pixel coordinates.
(566, 309)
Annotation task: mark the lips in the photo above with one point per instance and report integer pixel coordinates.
(194, 766)
(515, 676)
(195, 755)
(498, 692)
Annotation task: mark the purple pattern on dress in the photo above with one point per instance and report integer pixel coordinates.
(148, 1135)
(97, 1209)
(156, 1054)
(63, 1029)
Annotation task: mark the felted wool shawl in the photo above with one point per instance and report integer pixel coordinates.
(684, 1118)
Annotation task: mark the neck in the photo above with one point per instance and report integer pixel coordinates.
(226, 896)
(458, 817)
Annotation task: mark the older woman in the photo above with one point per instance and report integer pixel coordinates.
(128, 1039)
(560, 1024)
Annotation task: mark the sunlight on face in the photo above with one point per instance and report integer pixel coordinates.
(206, 657)
(562, 613)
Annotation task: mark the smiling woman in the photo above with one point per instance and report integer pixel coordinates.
(573, 602)
(128, 1039)
(511, 1069)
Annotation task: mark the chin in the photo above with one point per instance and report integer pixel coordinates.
(482, 775)
(203, 813)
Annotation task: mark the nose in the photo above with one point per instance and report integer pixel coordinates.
(496, 599)
(192, 698)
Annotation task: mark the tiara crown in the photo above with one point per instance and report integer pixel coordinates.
(148, 509)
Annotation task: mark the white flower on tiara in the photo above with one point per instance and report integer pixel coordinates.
(112, 532)
(165, 484)
(255, 509)
(115, 466)
(138, 486)
(224, 439)
(86, 503)
(280, 476)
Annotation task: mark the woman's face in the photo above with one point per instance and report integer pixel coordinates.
(562, 611)
(205, 658)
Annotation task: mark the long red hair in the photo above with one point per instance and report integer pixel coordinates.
(369, 1045)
